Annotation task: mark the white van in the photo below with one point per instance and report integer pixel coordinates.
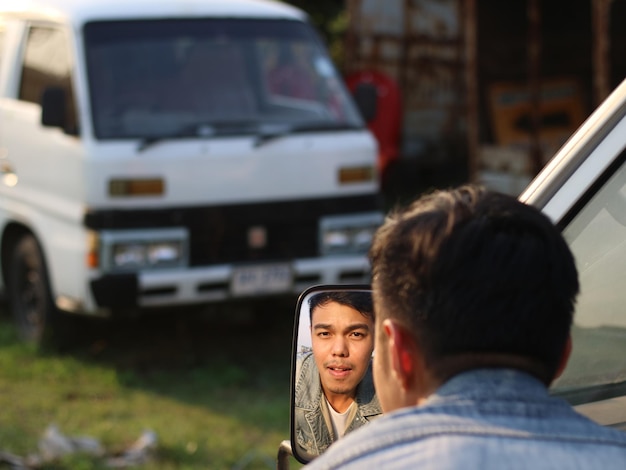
(174, 153)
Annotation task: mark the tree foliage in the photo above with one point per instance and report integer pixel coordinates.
(330, 19)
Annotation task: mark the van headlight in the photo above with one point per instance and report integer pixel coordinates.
(348, 234)
(124, 250)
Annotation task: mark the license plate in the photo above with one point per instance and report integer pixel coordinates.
(262, 279)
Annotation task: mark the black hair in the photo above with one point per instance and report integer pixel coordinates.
(476, 272)
(358, 300)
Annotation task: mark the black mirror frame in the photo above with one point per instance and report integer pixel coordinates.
(294, 349)
(366, 98)
(53, 107)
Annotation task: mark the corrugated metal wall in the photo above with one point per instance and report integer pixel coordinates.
(455, 61)
(419, 44)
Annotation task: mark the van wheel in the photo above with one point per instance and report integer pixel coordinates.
(29, 292)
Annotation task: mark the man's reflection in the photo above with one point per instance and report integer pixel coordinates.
(334, 388)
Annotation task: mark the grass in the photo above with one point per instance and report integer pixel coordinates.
(215, 392)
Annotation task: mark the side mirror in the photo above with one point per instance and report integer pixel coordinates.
(331, 374)
(53, 107)
(366, 97)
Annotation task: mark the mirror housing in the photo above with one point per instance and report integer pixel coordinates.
(53, 107)
(311, 426)
(366, 97)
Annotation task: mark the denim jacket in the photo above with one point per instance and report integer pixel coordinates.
(484, 419)
(312, 425)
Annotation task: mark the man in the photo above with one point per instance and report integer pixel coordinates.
(335, 391)
(474, 295)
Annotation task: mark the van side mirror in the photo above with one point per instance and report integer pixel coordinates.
(366, 97)
(53, 107)
(322, 313)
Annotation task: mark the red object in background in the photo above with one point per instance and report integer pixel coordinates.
(386, 123)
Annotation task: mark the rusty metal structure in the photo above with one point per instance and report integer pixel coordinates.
(490, 89)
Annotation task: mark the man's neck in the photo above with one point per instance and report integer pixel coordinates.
(450, 366)
(339, 402)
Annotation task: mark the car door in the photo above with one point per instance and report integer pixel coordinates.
(583, 189)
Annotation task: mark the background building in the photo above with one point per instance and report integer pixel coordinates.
(488, 90)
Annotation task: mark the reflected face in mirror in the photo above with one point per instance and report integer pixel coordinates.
(333, 389)
(342, 340)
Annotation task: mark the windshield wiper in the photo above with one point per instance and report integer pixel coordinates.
(194, 130)
(268, 133)
(265, 133)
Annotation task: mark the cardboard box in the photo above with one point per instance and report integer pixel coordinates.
(561, 110)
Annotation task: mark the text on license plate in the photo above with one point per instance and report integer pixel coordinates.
(262, 279)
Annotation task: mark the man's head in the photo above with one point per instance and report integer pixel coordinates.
(342, 335)
(469, 278)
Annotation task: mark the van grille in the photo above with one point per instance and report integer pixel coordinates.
(219, 234)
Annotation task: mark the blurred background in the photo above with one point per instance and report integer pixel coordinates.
(466, 90)
(478, 90)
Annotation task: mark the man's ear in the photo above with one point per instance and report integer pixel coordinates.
(565, 355)
(402, 352)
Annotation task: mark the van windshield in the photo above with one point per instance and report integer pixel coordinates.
(157, 78)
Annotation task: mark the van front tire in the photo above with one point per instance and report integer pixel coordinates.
(30, 299)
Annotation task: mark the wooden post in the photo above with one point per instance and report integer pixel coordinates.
(534, 83)
(468, 13)
(352, 54)
(600, 13)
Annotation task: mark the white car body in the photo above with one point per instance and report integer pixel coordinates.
(74, 190)
(583, 190)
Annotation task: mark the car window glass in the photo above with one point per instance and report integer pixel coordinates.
(296, 70)
(47, 63)
(597, 237)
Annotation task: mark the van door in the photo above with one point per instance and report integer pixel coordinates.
(42, 186)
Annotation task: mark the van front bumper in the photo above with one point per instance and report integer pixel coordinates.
(198, 285)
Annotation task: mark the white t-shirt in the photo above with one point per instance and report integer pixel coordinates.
(339, 420)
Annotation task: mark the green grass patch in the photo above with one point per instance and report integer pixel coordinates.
(216, 399)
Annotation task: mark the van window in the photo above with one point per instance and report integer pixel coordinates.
(177, 77)
(47, 63)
